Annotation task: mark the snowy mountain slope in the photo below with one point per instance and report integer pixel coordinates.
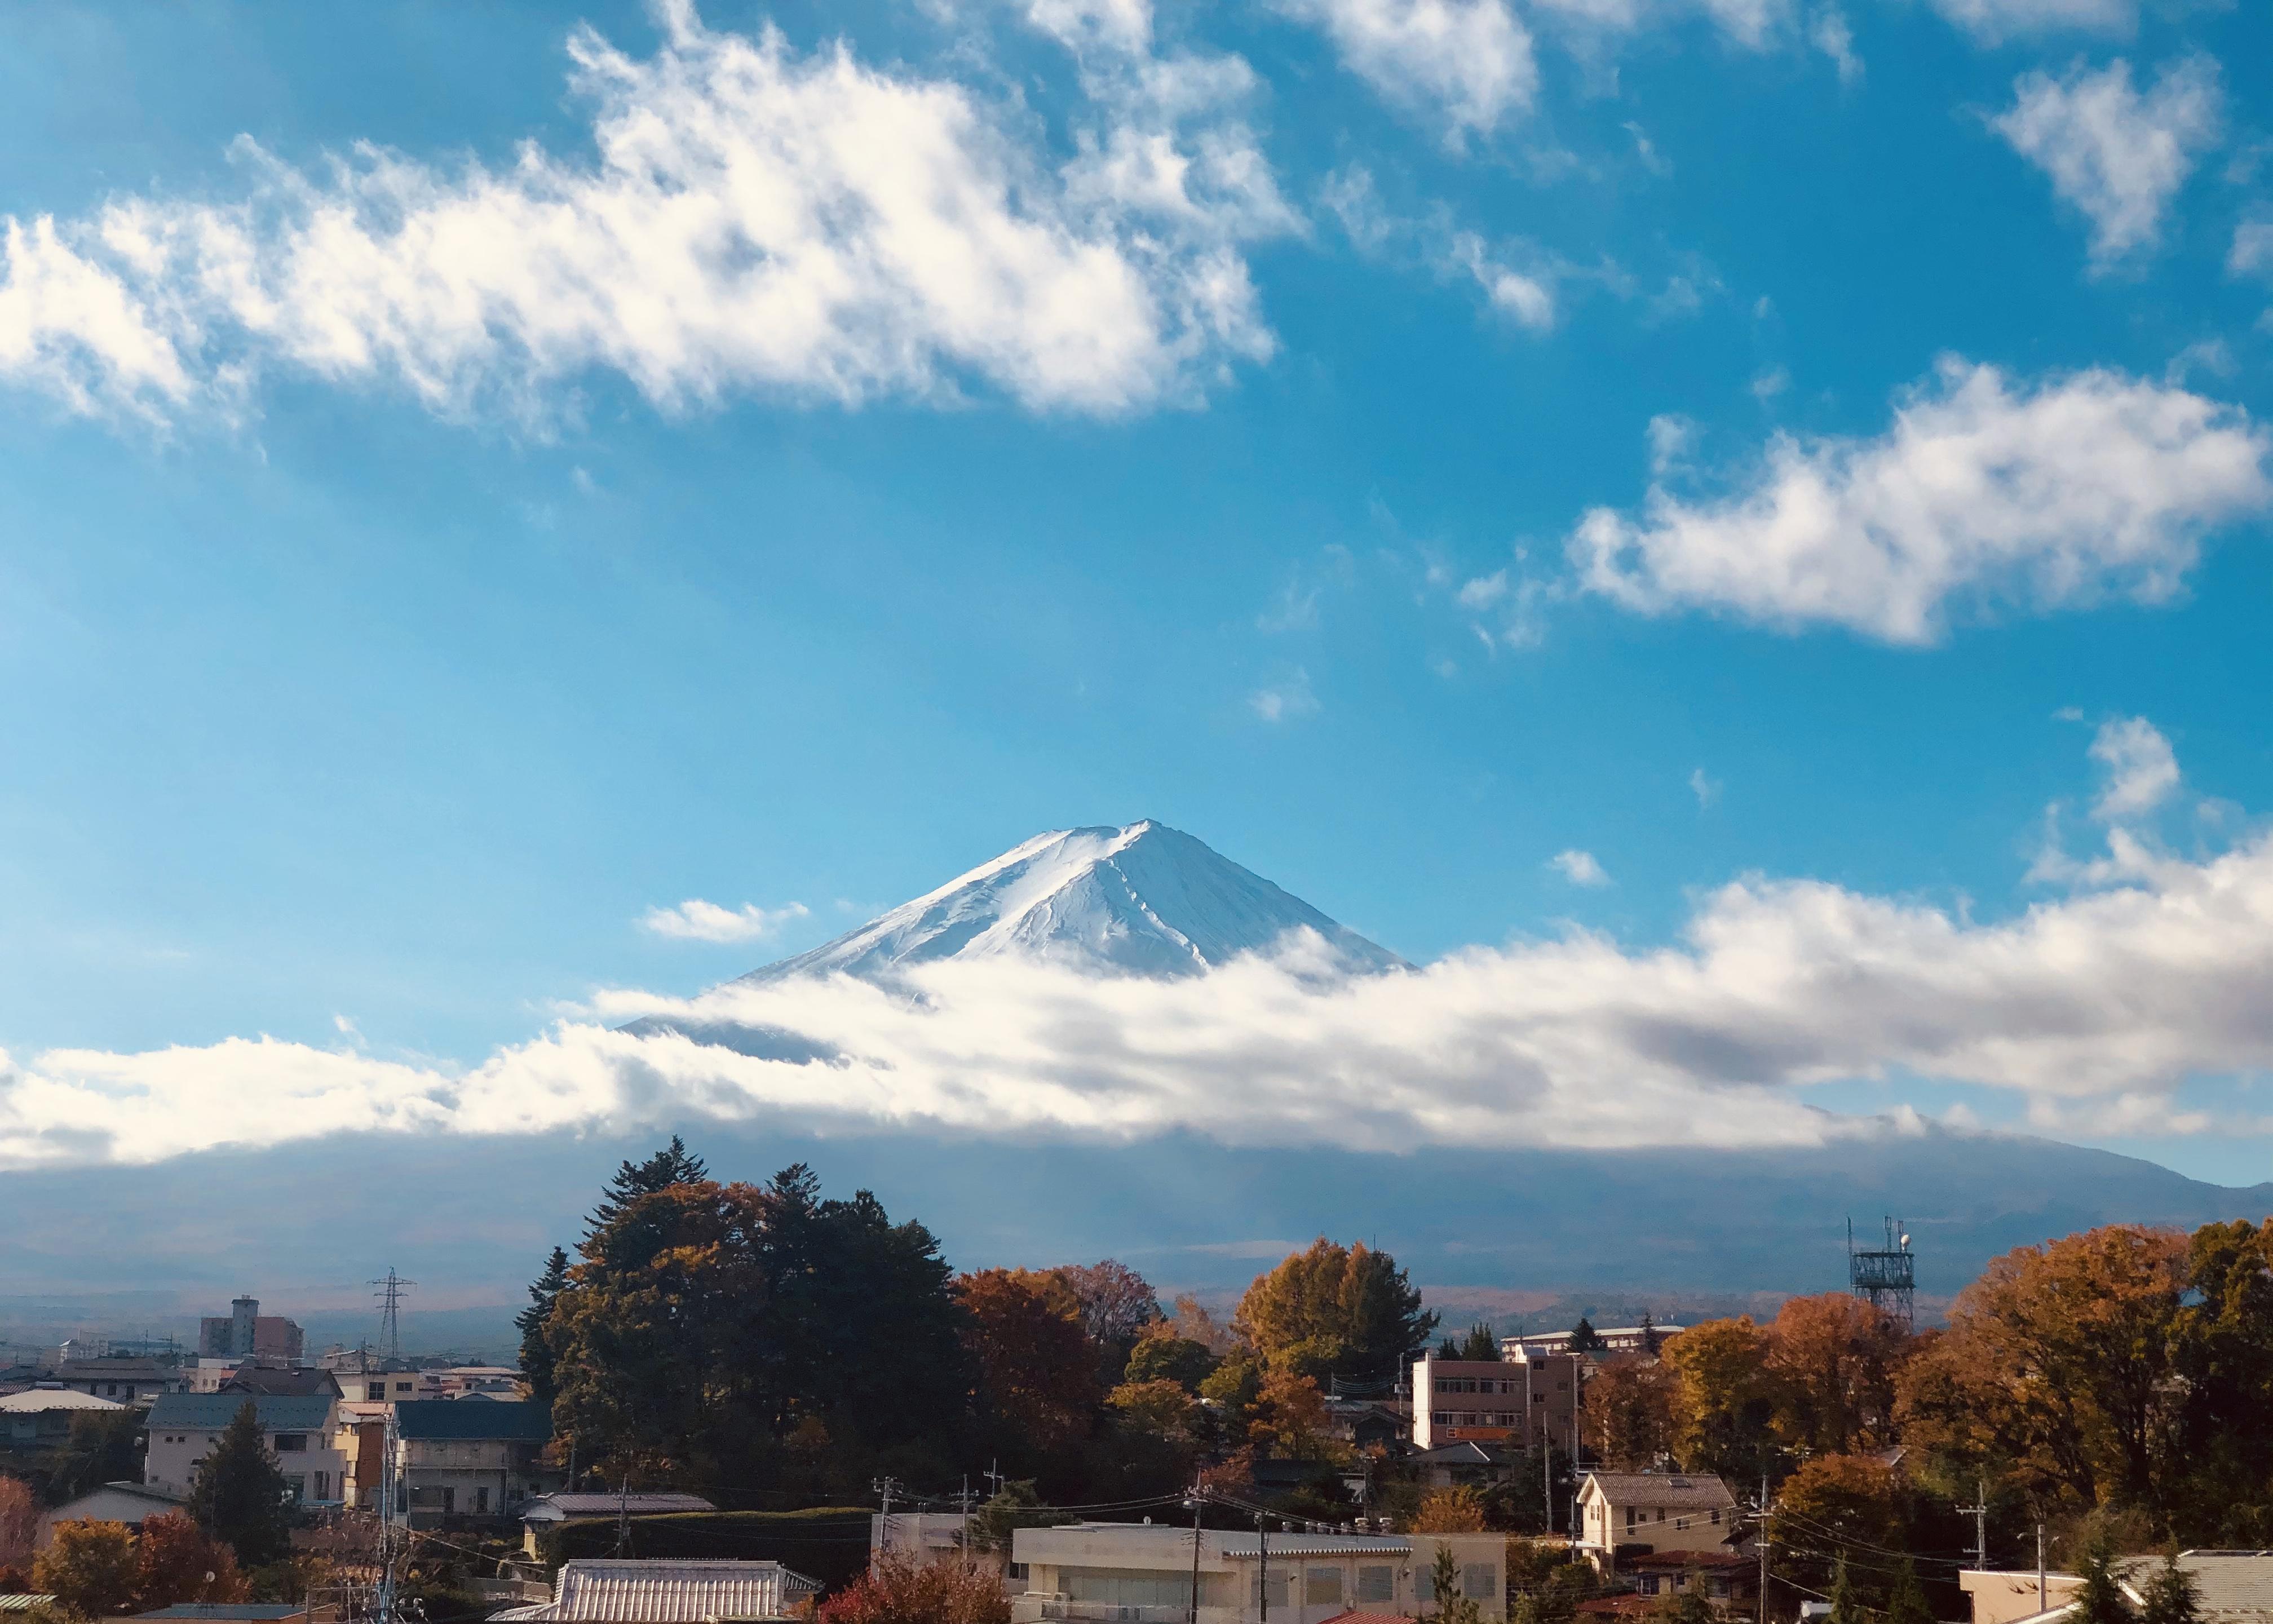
(1145, 900)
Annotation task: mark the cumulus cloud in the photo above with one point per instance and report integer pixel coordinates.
(1984, 492)
(1466, 63)
(1285, 700)
(2090, 1008)
(2141, 769)
(2252, 254)
(1578, 867)
(2116, 155)
(695, 920)
(754, 220)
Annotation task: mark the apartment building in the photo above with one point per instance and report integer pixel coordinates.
(1513, 1402)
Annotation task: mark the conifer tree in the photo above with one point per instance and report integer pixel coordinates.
(1908, 1604)
(535, 1353)
(240, 1497)
(2171, 1595)
(1844, 1609)
(672, 1165)
(2099, 1599)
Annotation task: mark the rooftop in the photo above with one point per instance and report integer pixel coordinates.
(679, 1592)
(546, 1507)
(36, 1399)
(212, 1411)
(229, 1610)
(488, 1420)
(1668, 1489)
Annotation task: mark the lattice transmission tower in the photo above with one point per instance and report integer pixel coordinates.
(391, 1288)
(1885, 1276)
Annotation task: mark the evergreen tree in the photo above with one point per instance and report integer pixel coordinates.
(1844, 1608)
(2171, 1595)
(1481, 1345)
(536, 1353)
(240, 1497)
(2099, 1599)
(1650, 1340)
(1444, 1586)
(1907, 1605)
(1586, 1339)
(672, 1165)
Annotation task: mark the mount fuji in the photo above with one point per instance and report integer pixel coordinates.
(1143, 900)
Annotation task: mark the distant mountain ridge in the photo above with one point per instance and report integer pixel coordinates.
(1142, 899)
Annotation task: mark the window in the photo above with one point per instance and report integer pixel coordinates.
(1716, 1515)
(323, 1486)
(1479, 1582)
(1660, 1514)
(1442, 1418)
(374, 1392)
(481, 1501)
(1649, 1584)
(288, 1442)
(1630, 1519)
(1322, 1587)
(1377, 1584)
(1017, 1570)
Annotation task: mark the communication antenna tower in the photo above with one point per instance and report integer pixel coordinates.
(391, 1288)
(1886, 1277)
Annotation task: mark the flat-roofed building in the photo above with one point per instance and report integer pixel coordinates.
(1513, 1402)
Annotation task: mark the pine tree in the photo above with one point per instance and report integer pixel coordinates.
(2171, 1595)
(1908, 1604)
(1586, 1339)
(1650, 1340)
(1452, 1607)
(1844, 1609)
(674, 1163)
(240, 1496)
(536, 1353)
(1480, 1346)
(2099, 1599)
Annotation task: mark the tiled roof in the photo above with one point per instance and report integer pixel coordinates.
(666, 1592)
(212, 1411)
(2227, 1584)
(516, 1421)
(265, 1611)
(1667, 1489)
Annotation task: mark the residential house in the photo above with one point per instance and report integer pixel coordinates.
(184, 1427)
(247, 1333)
(1367, 1424)
(40, 1417)
(2231, 1587)
(283, 1382)
(1144, 1574)
(241, 1612)
(1624, 1514)
(126, 1381)
(1724, 1578)
(470, 1457)
(1514, 1402)
(669, 1593)
(1452, 1465)
(114, 1503)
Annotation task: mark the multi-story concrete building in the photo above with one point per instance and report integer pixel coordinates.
(1513, 1403)
(478, 1457)
(247, 1333)
(1145, 1575)
(1616, 1339)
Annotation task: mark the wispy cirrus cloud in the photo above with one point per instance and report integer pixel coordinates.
(754, 220)
(695, 920)
(1985, 494)
(1465, 65)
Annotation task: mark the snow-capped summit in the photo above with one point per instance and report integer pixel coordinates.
(1146, 900)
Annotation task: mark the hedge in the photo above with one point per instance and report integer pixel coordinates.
(829, 1543)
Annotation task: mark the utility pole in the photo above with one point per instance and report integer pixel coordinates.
(1262, 1566)
(1764, 1548)
(963, 1500)
(1979, 1512)
(1196, 1504)
(2041, 1603)
(623, 1514)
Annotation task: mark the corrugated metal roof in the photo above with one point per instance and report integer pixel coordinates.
(212, 1411)
(263, 1611)
(514, 1420)
(25, 1604)
(608, 1505)
(667, 1592)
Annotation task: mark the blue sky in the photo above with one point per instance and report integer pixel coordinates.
(1397, 442)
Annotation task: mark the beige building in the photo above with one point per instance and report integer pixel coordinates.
(1628, 1514)
(184, 1426)
(1511, 1402)
(1131, 1573)
(2231, 1587)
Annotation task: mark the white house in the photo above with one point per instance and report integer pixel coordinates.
(1626, 1514)
(184, 1427)
(470, 1457)
(1143, 1574)
(114, 1503)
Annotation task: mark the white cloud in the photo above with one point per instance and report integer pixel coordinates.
(2084, 1008)
(1466, 64)
(1993, 21)
(1985, 494)
(1522, 293)
(2253, 248)
(1285, 700)
(1829, 34)
(2115, 154)
(754, 220)
(695, 920)
(1578, 867)
(1523, 298)
(2141, 767)
(1707, 789)
(1753, 24)
(1767, 384)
